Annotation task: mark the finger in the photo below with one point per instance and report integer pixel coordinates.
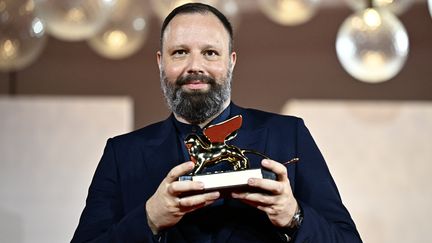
(178, 187)
(267, 210)
(277, 168)
(254, 199)
(199, 199)
(271, 186)
(193, 208)
(179, 170)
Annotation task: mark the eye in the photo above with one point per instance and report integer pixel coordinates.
(211, 53)
(179, 53)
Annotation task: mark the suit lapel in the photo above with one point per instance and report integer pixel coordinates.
(161, 152)
(251, 136)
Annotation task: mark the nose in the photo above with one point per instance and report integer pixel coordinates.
(195, 64)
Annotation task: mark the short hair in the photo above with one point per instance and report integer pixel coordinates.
(201, 8)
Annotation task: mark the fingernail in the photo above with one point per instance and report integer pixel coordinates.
(251, 181)
(265, 162)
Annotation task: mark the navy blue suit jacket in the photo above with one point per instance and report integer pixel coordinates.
(133, 165)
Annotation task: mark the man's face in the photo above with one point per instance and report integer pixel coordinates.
(196, 66)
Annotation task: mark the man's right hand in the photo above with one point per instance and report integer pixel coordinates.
(165, 208)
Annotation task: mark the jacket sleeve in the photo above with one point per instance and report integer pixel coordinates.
(325, 217)
(103, 218)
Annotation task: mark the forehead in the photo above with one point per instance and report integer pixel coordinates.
(195, 26)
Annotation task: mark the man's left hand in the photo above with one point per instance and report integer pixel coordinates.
(279, 203)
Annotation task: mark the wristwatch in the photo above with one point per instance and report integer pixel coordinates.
(297, 218)
(288, 233)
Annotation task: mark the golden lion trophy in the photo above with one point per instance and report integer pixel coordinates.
(211, 149)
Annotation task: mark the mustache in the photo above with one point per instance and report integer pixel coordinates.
(193, 77)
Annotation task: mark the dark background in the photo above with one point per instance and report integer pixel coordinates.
(275, 63)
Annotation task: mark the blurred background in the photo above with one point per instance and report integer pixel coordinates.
(75, 72)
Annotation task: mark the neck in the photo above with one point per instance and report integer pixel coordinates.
(203, 124)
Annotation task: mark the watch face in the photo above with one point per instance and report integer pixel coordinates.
(297, 218)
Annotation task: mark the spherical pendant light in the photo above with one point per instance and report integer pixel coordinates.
(372, 45)
(74, 20)
(22, 34)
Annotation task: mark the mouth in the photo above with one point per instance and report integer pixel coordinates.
(196, 85)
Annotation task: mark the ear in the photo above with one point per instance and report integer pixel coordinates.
(159, 59)
(233, 58)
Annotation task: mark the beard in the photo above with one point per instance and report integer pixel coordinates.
(196, 106)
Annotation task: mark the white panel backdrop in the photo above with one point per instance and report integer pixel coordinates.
(49, 149)
(380, 154)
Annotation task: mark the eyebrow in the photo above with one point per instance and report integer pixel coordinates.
(178, 47)
(204, 47)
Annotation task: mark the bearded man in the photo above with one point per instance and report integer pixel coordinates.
(135, 195)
